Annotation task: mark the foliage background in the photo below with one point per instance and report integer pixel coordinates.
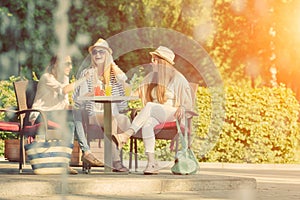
(244, 38)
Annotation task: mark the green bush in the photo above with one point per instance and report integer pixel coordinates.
(7, 101)
(260, 126)
(7, 93)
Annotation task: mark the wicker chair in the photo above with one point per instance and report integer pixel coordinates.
(7, 124)
(25, 93)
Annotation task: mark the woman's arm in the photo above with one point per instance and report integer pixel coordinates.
(184, 100)
(70, 87)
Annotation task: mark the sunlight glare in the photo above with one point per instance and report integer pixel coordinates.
(204, 31)
(238, 5)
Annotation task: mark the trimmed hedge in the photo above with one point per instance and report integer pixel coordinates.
(260, 126)
(7, 101)
(7, 93)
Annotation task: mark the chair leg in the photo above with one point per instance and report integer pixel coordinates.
(21, 159)
(130, 153)
(86, 167)
(136, 154)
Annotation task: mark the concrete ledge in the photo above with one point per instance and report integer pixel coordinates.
(13, 184)
(101, 184)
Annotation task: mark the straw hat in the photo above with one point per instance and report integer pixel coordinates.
(165, 53)
(101, 43)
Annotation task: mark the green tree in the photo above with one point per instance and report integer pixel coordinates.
(29, 34)
(251, 37)
(235, 33)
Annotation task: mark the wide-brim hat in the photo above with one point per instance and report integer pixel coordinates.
(165, 53)
(101, 43)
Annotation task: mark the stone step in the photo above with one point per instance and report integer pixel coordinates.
(102, 184)
(14, 185)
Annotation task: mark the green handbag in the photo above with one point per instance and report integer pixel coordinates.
(185, 160)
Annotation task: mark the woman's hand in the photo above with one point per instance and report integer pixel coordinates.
(179, 113)
(87, 75)
(89, 94)
(69, 107)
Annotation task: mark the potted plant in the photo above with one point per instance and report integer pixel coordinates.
(12, 149)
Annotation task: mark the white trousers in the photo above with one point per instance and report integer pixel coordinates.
(150, 116)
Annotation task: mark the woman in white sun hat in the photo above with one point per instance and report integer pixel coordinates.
(103, 71)
(165, 93)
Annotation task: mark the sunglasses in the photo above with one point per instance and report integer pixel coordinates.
(68, 64)
(153, 60)
(101, 52)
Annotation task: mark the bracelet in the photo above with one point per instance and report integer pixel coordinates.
(181, 107)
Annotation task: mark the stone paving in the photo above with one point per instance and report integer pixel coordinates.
(214, 181)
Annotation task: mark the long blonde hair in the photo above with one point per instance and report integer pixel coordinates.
(109, 65)
(160, 81)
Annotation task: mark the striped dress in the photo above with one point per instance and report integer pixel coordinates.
(88, 86)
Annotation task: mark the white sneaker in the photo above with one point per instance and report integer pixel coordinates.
(151, 169)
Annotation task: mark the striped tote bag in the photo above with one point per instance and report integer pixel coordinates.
(51, 157)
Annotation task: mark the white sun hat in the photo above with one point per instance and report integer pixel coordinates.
(101, 43)
(165, 53)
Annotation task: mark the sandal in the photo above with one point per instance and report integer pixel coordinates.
(92, 160)
(72, 171)
(119, 167)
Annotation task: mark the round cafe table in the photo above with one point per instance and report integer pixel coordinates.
(107, 101)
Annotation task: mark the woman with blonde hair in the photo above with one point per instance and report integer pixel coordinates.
(103, 72)
(165, 93)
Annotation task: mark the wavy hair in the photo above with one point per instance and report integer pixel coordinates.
(160, 80)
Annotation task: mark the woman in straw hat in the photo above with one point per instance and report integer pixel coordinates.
(165, 94)
(103, 72)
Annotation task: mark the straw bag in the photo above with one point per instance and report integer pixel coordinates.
(185, 160)
(51, 157)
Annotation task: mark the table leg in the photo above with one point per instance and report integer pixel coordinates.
(107, 137)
